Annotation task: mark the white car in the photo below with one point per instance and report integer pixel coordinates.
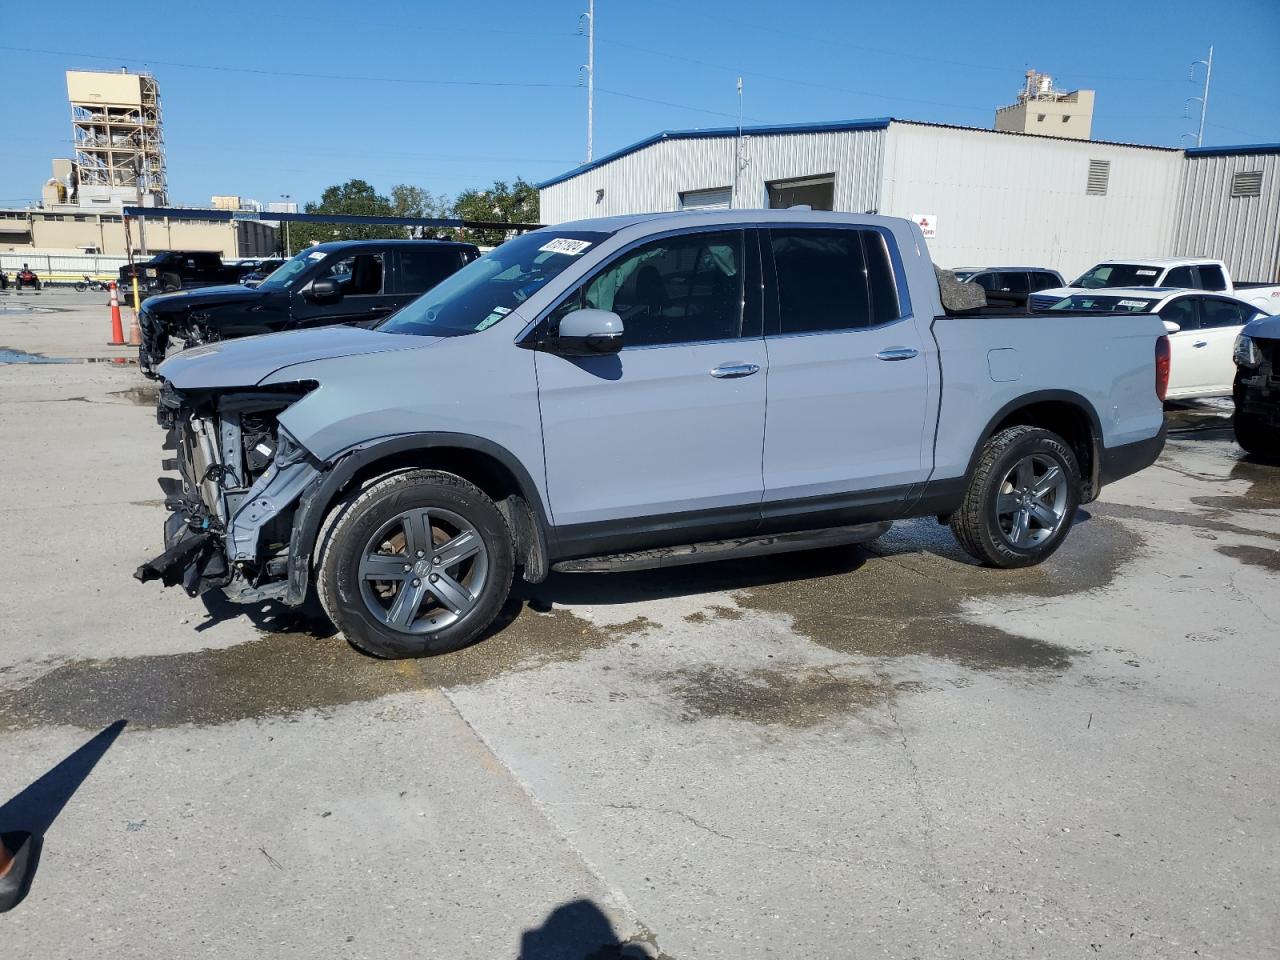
(1202, 330)
(1187, 273)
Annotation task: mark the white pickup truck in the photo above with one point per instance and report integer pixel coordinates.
(1191, 273)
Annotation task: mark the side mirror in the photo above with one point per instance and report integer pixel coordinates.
(587, 333)
(324, 291)
(1172, 327)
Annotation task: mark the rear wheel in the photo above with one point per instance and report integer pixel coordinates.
(1021, 500)
(416, 564)
(1255, 437)
(81, 286)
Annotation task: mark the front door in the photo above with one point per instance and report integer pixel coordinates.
(666, 435)
(363, 279)
(848, 411)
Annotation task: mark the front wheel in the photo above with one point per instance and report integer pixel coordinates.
(1021, 499)
(416, 564)
(1255, 437)
(81, 286)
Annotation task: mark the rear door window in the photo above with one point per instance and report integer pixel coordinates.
(833, 280)
(420, 269)
(1044, 281)
(1215, 312)
(1211, 277)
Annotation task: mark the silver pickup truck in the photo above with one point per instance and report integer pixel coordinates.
(632, 392)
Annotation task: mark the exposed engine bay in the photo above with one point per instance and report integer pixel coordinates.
(232, 504)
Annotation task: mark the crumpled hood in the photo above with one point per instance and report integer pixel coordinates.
(247, 361)
(184, 301)
(1265, 328)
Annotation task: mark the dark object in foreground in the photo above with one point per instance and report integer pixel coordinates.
(19, 853)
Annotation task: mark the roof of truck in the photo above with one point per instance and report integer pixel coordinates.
(1160, 261)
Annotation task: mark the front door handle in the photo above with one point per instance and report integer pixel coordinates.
(898, 353)
(729, 371)
(1201, 343)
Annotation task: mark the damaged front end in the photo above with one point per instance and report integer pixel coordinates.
(232, 504)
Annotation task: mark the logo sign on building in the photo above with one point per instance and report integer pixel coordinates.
(928, 224)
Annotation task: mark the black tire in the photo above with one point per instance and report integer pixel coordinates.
(170, 283)
(81, 286)
(348, 533)
(978, 523)
(1255, 437)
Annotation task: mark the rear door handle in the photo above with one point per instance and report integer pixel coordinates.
(729, 371)
(1201, 343)
(898, 353)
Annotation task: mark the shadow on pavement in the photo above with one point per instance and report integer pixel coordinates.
(579, 930)
(30, 813)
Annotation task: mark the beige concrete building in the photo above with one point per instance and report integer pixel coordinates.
(1048, 112)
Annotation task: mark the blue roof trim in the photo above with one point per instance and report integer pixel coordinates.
(831, 126)
(1243, 150)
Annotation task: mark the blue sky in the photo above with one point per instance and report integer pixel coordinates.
(240, 119)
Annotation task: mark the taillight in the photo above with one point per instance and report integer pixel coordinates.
(1162, 367)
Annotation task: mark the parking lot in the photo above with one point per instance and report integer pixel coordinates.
(862, 752)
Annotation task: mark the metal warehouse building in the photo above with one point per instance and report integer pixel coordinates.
(984, 197)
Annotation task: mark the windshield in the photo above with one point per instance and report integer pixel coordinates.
(486, 290)
(1085, 301)
(283, 275)
(1118, 275)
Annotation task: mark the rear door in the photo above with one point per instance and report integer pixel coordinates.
(848, 373)
(1221, 320)
(667, 434)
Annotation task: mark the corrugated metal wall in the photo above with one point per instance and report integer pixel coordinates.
(654, 177)
(1243, 231)
(1020, 200)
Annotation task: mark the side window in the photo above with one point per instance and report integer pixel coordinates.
(359, 274)
(1224, 313)
(421, 269)
(987, 281)
(834, 280)
(1180, 277)
(1043, 281)
(1012, 281)
(1211, 277)
(1182, 312)
(680, 289)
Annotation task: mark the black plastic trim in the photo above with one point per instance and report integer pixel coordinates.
(1129, 458)
(1042, 396)
(322, 491)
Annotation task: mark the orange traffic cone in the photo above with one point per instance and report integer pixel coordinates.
(117, 330)
(135, 331)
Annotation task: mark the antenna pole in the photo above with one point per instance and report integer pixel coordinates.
(590, 16)
(737, 151)
(1204, 100)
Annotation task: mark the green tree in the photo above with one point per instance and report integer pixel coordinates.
(355, 197)
(411, 201)
(501, 203)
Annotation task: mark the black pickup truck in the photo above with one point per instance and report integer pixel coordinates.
(177, 270)
(354, 281)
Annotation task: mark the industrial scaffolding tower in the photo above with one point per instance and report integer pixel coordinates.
(118, 135)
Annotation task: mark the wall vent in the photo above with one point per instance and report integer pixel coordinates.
(1099, 178)
(1247, 183)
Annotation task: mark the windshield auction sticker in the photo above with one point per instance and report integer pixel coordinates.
(572, 248)
(1132, 304)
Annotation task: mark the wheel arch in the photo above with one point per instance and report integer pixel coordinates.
(1067, 414)
(491, 467)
